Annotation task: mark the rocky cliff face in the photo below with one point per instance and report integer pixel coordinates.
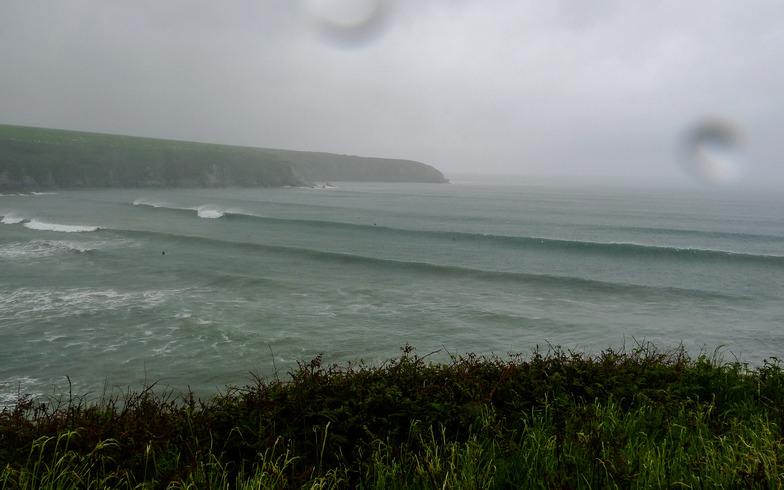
(39, 159)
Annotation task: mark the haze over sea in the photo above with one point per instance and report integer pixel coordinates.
(196, 288)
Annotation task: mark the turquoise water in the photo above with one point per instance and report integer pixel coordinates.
(201, 287)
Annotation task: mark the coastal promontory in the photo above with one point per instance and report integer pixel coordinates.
(38, 159)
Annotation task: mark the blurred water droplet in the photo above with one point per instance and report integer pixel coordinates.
(711, 152)
(349, 23)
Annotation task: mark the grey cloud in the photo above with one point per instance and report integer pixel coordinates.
(535, 88)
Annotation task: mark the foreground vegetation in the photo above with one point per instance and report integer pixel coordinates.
(643, 418)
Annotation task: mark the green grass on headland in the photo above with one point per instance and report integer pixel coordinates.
(36, 159)
(644, 418)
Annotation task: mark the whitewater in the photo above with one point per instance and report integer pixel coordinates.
(102, 291)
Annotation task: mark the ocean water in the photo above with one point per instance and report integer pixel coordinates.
(109, 290)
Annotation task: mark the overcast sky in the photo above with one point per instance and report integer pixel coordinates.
(594, 90)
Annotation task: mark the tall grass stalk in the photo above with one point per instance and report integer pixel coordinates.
(650, 447)
(63, 468)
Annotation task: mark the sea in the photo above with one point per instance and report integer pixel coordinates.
(104, 292)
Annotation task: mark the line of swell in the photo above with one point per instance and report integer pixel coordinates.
(539, 280)
(696, 233)
(164, 207)
(204, 211)
(621, 249)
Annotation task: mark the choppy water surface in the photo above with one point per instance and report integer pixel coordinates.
(198, 288)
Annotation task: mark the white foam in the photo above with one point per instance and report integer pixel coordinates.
(35, 249)
(165, 349)
(12, 389)
(76, 343)
(53, 303)
(44, 226)
(11, 219)
(22, 194)
(114, 347)
(39, 248)
(208, 212)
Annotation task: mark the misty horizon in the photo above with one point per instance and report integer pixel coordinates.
(611, 93)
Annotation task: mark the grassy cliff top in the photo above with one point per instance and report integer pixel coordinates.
(38, 159)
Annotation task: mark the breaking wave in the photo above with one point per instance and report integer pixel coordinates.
(40, 248)
(143, 201)
(11, 219)
(35, 224)
(208, 212)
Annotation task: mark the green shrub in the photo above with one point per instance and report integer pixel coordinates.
(554, 419)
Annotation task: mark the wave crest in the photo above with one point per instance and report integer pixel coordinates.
(35, 224)
(208, 212)
(143, 201)
(11, 219)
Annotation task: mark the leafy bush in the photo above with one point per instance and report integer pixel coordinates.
(553, 419)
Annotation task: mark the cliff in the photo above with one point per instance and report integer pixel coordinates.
(34, 159)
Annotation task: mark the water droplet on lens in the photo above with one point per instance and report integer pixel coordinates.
(349, 23)
(711, 152)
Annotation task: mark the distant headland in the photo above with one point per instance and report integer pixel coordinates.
(38, 159)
